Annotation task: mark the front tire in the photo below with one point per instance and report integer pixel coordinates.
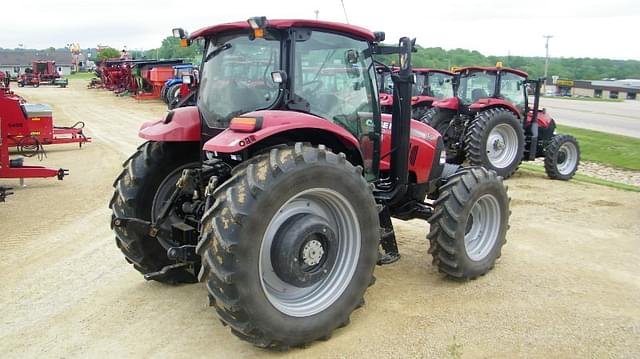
(144, 174)
(289, 246)
(495, 140)
(469, 224)
(562, 157)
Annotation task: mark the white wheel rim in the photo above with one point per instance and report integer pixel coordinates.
(482, 233)
(340, 214)
(502, 146)
(567, 158)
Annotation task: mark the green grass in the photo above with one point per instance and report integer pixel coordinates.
(539, 170)
(591, 99)
(81, 76)
(609, 149)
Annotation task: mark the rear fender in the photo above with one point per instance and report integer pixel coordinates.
(422, 100)
(179, 125)
(279, 126)
(452, 103)
(486, 103)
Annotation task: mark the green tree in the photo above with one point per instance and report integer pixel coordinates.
(108, 53)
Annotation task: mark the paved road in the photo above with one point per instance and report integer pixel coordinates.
(614, 117)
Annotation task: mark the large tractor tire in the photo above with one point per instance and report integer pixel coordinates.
(172, 92)
(495, 140)
(469, 224)
(439, 120)
(562, 157)
(163, 93)
(146, 182)
(289, 246)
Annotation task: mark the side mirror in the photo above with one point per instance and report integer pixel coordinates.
(351, 56)
(179, 33)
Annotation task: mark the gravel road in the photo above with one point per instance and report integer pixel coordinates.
(567, 285)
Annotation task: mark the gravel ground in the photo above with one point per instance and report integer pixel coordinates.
(598, 170)
(567, 285)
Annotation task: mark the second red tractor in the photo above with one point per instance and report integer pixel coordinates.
(491, 123)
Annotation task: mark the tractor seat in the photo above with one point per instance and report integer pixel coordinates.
(36, 110)
(477, 94)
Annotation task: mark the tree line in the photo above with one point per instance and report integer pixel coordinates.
(569, 68)
(437, 57)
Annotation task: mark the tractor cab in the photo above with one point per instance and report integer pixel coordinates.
(479, 87)
(430, 85)
(321, 69)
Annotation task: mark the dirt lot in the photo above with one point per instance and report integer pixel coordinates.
(567, 285)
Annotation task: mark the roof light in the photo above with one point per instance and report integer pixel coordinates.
(258, 24)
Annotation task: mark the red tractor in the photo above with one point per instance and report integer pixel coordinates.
(42, 73)
(490, 123)
(430, 85)
(277, 189)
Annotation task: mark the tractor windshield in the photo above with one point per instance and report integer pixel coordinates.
(236, 77)
(434, 84)
(476, 85)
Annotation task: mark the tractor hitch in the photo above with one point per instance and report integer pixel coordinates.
(4, 192)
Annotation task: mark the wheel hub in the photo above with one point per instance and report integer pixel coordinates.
(304, 250)
(312, 252)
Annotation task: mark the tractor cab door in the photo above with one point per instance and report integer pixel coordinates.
(336, 80)
(513, 89)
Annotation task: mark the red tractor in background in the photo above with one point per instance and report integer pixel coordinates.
(277, 189)
(430, 85)
(490, 123)
(42, 73)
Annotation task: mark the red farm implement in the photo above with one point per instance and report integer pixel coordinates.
(29, 127)
(142, 78)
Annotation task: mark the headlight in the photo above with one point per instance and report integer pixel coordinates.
(443, 157)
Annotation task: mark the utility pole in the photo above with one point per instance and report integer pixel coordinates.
(546, 62)
(317, 12)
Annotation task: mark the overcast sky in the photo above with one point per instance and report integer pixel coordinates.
(587, 28)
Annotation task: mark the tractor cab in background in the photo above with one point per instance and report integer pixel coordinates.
(430, 85)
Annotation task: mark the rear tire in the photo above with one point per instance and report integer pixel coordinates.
(134, 196)
(469, 223)
(562, 157)
(495, 140)
(439, 120)
(261, 227)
